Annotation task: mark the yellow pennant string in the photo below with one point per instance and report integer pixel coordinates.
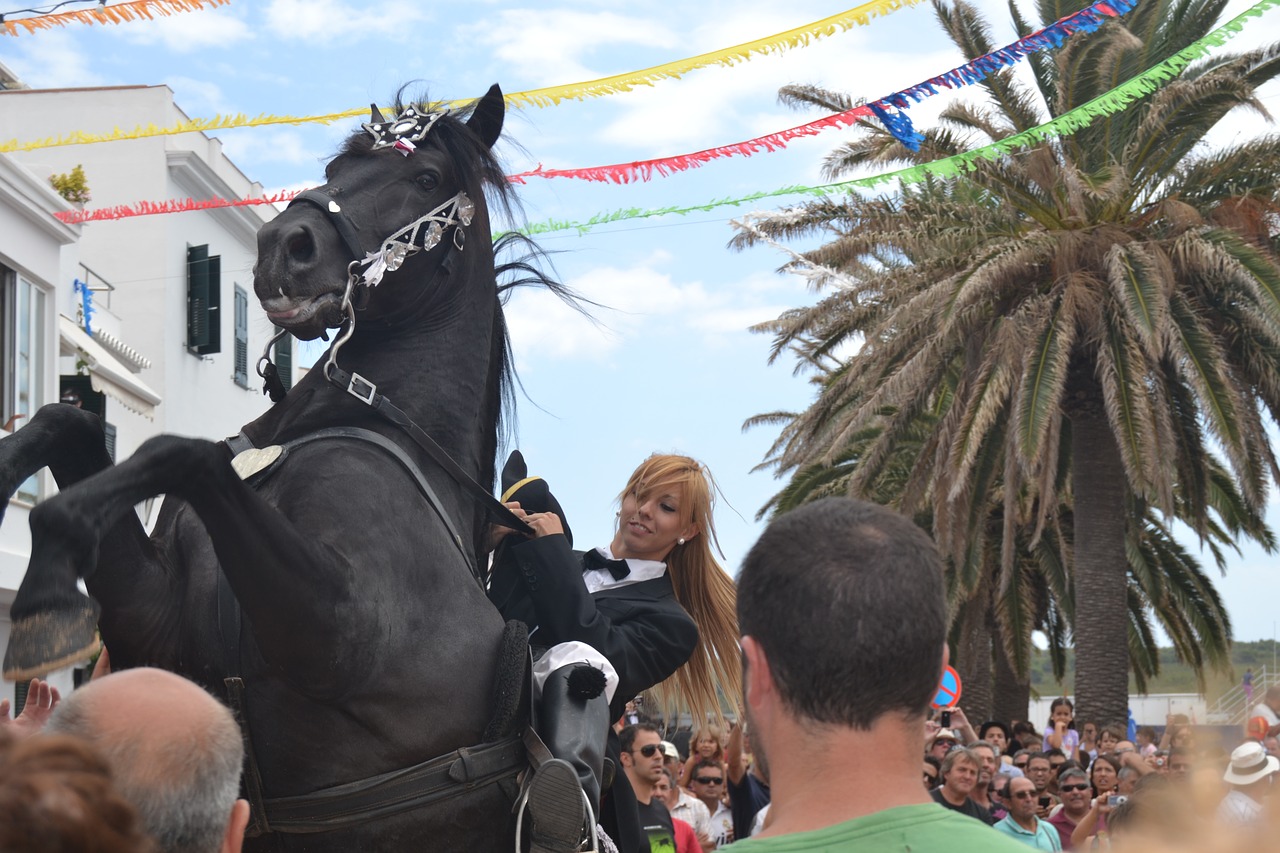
(796, 37)
(118, 13)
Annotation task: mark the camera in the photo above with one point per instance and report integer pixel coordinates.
(1044, 802)
(1116, 799)
(944, 719)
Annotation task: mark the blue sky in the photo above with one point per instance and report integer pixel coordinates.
(671, 367)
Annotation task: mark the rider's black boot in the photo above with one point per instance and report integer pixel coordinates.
(573, 721)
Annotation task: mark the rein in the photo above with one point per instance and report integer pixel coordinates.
(422, 235)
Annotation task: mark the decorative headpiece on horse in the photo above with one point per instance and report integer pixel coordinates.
(402, 132)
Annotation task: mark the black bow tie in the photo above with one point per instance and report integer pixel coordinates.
(593, 559)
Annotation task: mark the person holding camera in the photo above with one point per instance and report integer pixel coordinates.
(1022, 823)
(1095, 821)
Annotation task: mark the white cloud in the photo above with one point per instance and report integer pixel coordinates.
(551, 46)
(54, 60)
(271, 145)
(198, 97)
(188, 32)
(326, 21)
(641, 301)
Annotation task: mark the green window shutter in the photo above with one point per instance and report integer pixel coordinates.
(204, 297)
(242, 337)
(110, 431)
(284, 359)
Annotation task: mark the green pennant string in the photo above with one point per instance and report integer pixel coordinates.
(1108, 103)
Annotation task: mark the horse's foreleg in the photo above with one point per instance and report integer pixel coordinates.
(71, 442)
(266, 561)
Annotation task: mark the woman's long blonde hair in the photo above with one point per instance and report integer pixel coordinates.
(703, 589)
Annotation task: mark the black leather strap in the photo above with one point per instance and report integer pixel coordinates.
(367, 393)
(333, 210)
(432, 781)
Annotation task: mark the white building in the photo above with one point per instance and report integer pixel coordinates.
(174, 331)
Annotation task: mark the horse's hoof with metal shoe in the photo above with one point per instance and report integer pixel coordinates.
(43, 642)
(557, 807)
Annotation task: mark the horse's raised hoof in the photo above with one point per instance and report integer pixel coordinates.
(558, 808)
(43, 642)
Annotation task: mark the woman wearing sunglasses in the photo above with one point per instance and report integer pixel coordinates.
(652, 610)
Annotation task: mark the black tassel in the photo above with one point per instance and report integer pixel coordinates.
(586, 682)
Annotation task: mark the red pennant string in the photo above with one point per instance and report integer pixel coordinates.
(618, 173)
(644, 170)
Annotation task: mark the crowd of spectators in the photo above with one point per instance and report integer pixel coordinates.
(145, 761)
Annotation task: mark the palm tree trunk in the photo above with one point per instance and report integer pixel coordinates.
(1012, 694)
(1100, 572)
(973, 657)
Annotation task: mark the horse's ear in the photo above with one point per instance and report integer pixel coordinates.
(486, 120)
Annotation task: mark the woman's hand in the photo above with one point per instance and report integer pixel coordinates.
(497, 532)
(544, 523)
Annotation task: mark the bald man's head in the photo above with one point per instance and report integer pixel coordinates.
(175, 752)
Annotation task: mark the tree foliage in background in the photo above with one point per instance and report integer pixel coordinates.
(73, 186)
(1061, 351)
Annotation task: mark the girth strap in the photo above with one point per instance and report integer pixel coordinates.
(433, 781)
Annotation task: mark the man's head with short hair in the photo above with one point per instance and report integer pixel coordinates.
(845, 601)
(1039, 770)
(1020, 800)
(960, 771)
(707, 780)
(641, 756)
(1076, 791)
(175, 753)
(987, 761)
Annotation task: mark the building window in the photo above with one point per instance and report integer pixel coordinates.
(23, 307)
(242, 337)
(284, 358)
(204, 298)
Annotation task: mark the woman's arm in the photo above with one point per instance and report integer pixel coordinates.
(645, 648)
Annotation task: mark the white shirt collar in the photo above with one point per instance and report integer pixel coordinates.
(598, 580)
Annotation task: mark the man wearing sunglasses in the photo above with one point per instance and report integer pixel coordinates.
(641, 746)
(707, 784)
(1073, 787)
(1022, 823)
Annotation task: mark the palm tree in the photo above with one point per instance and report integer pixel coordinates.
(1103, 312)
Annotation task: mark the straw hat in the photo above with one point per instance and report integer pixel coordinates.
(1250, 763)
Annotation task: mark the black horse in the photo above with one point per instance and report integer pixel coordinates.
(333, 595)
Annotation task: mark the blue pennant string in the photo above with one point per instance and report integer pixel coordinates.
(891, 109)
(899, 125)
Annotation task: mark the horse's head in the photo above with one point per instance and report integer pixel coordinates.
(400, 201)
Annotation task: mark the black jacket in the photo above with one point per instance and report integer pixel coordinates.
(640, 628)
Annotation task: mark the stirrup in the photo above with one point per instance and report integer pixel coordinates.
(589, 828)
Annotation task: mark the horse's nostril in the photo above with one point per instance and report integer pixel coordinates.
(299, 244)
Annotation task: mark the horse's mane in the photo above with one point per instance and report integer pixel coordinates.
(519, 260)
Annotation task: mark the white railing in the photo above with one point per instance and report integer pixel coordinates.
(1232, 707)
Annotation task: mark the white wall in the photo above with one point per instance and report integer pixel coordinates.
(144, 258)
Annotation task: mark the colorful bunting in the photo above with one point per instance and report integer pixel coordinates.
(796, 37)
(1109, 103)
(1086, 20)
(116, 13)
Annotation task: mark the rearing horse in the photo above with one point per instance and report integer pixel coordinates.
(334, 591)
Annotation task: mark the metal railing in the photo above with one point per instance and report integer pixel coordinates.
(1232, 707)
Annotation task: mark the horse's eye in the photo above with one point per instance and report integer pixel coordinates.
(428, 180)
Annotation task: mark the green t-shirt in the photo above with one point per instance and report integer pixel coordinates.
(905, 829)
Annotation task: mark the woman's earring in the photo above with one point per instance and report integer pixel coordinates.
(679, 541)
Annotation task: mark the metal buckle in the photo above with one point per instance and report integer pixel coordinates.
(362, 389)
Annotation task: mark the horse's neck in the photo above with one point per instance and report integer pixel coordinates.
(439, 373)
